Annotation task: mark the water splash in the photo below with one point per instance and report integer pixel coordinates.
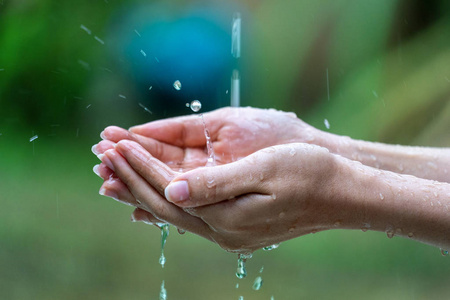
(163, 292)
(164, 235)
(211, 161)
(257, 283)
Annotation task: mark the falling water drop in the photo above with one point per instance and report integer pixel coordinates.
(274, 246)
(196, 106)
(390, 234)
(164, 235)
(444, 252)
(177, 85)
(181, 231)
(163, 292)
(327, 124)
(241, 298)
(241, 271)
(257, 283)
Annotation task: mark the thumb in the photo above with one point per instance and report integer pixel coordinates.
(209, 185)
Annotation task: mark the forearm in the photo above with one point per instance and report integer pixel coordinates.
(423, 162)
(400, 205)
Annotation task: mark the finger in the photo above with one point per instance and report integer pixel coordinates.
(187, 131)
(205, 186)
(116, 189)
(140, 215)
(102, 146)
(162, 151)
(151, 200)
(103, 171)
(151, 169)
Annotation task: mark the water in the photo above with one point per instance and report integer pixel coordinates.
(236, 35)
(195, 106)
(269, 248)
(33, 138)
(177, 85)
(444, 252)
(164, 235)
(211, 161)
(257, 283)
(241, 271)
(163, 292)
(327, 124)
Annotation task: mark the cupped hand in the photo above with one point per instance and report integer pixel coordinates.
(235, 133)
(272, 195)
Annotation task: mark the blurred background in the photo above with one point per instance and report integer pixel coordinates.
(374, 70)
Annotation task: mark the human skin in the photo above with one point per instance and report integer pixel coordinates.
(270, 195)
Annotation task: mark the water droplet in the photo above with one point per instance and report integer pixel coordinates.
(122, 96)
(143, 53)
(291, 230)
(410, 235)
(181, 231)
(33, 138)
(257, 283)
(241, 272)
(237, 285)
(163, 292)
(381, 196)
(241, 298)
(269, 248)
(261, 176)
(164, 235)
(390, 234)
(444, 252)
(210, 183)
(177, 85)
(327, 124)
(274, 197)
(272, 298)
(196, 106)
(292, 152)
(261, 270)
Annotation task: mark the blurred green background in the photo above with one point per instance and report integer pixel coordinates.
(376, 70)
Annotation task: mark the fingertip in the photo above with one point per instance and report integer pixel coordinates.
(177, 192)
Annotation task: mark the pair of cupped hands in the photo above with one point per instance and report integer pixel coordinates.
(269, 182)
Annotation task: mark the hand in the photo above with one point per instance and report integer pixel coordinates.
(235, 133)
(273, 195)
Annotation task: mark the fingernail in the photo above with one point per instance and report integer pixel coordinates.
(94, 149)
(177, 191)
(108, 193)
(105, 159)
(103, 136)
(96, 171)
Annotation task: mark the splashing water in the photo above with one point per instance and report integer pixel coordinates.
(164, 235)
(209, 147)
(274, 246)
(163, 292)
(177, 85)
(257, 283)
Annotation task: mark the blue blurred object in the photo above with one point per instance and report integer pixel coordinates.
(160, 45)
